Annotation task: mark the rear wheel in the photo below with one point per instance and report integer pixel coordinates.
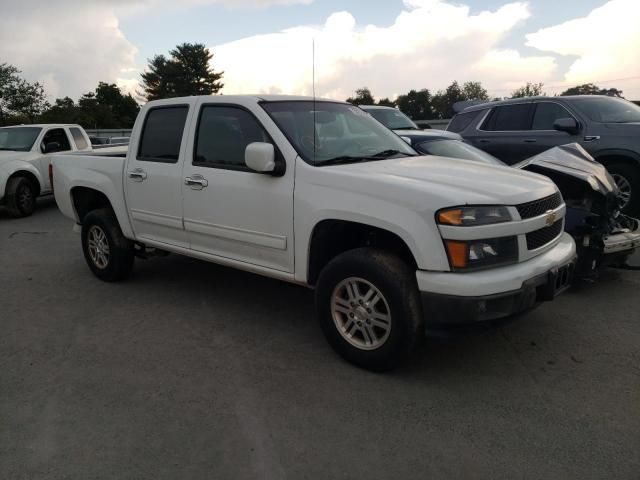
(368, 307)
(21, 197)
(627, 179)
(108, 253)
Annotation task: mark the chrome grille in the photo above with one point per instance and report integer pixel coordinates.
(539, 207)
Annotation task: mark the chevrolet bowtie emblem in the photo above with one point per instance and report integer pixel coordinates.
(551, 218)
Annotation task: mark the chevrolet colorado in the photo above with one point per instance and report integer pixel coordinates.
(318, 193)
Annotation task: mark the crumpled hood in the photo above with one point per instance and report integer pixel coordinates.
(441, 180)
(574, 161)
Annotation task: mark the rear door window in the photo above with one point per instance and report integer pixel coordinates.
(509, 118)
(78, 138)
(546, 115)
(162, 134)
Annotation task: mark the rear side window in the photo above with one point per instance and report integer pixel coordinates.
(461, 121)
(223, 135)
(508, 118)
(546, 115)
(78, 138)
(162, 134)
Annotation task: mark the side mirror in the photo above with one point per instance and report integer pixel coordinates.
(568, 125)
(260, 157)
(51, 147)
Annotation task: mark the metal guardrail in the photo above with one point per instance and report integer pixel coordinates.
(108, 132)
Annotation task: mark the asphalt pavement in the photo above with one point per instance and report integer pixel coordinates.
(194, 371)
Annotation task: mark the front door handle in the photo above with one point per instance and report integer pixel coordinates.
(530, 140)
(137, 175)
(196, 182)
(484, 141)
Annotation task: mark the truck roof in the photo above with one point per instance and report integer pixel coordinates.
(45, 125)
(256, 97)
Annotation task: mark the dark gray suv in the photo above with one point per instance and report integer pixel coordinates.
(607, 127)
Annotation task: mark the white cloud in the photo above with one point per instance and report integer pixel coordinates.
(607, 43)
(69, 52)
(429, 44)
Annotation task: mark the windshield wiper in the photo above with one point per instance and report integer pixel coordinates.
(342, 159)
(389, 153)
(351, 159)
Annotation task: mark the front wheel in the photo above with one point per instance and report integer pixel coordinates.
(368, 307)
(21, 197)
(627, 179)
(108, 253)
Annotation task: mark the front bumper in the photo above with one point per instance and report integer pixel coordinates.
(450, 299)
(622, 242)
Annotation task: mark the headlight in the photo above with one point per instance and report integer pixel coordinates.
(473, 216)
(476, 254)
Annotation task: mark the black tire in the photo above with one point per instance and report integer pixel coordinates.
(631, 174)
(396, 281)
(118, 261)
(21, 197)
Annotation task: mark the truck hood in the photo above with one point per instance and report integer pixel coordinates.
(442, 180)
(571, 160)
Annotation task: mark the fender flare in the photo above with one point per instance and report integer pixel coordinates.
(9, 169)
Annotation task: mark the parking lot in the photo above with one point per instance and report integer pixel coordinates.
(191, 370)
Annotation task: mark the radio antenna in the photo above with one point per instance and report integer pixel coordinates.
(313, 88)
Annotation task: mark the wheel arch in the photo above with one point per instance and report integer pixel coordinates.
(86, 199)
(331, 237)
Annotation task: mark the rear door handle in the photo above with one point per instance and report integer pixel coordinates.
(196, 182)
(137, 175)
(484, 141)
(530, 140)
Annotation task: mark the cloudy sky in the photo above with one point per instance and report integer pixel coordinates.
(391, 46)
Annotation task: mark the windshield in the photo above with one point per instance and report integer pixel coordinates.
(18, 139)
(456, 149)
(325, 133)
(392, 118)
(608, 109)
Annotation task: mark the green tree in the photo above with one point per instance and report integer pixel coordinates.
(416, 104)
(186, 72)
(105, 107)
(363, 96)
(529, 90)
(591, 89)
(20, 100)
(474, 91)
(386, 102)
(444, 100)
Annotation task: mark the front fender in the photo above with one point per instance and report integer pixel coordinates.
(9, 168)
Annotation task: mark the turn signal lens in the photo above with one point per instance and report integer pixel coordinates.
(450, 217)
(458, 253)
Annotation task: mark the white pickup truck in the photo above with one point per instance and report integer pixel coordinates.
(25, 156)
(318, 193)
